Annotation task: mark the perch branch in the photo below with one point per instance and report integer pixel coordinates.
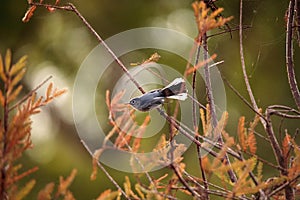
(289, 54)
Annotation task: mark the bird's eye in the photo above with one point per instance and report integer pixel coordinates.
(132, 102)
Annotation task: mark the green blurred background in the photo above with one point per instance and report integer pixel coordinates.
(58, 42)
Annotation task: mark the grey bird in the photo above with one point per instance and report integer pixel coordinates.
(154, 98)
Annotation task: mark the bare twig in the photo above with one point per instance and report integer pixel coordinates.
(278, 153)
(242, 98)
(281, 187)
(289, 55)
(186, 185)
(30, 93)
(282, 111)
(226, 31)
(249, 90)
(195, 123)
(71, 7)
(106, 172)
(298, 20)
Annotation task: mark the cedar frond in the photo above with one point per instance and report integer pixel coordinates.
(244, 184)
(46, 193)
(255, 121)
(138, 136)
(65, 183)
(206, 164)
(1, 98)
(69, 196)
(251, 142)
(139, 191)
(200, 64)
(7, 60)
(108, 194)
(95, 161)
(2, 70)
(58, 92)
(15, 94)
(221, 125)
(18, 66)
(286, 144)
(15, 127)
(24, 174)
(241, 133)
(259, 171)
(205, 19)
(153, 58)
(206, 122)
(202, 117)
(25, 190)
(49, 90)
(294, 170)
(19, 76)
(128, 190)
(107, 99)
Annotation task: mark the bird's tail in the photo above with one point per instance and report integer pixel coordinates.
(175, 90)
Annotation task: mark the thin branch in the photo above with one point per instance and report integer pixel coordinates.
(186, 185)
(195, 123)
(30, 93)
(249, 90)
(72, 8)
(105, 172)
(242, 98)
(298, 20)
(5, 135)
(289, 55)
(282, 111)
(226, 31)
(274, 143)
(120, 63)
(281, 187)
(112, 121)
